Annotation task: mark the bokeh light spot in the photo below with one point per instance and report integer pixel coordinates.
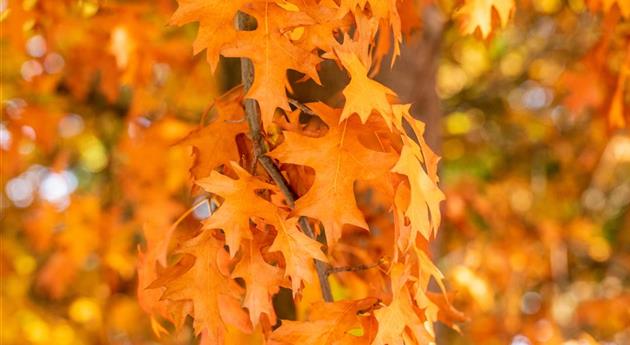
(201, 211)
(54, 188)
(93, 156)
(24, 264)
(54, 63)
(458, 123)
(36, 46)
(88, 8)
(544, 330)
(84, 310)
(31, 69)
(70, 125)
(62, 334)
(520, 340)
(451, 79)
(521, 199)
(512, 64)
(35, 330)
(599, 249)
(531, 302)
(19, 191)
(5, 137)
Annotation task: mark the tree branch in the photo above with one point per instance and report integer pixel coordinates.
(260, 149)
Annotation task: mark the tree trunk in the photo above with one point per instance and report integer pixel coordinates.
(414, 74)
(413, 78)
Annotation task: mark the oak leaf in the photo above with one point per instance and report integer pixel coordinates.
(328, 324)
(363, 95)
(78, 240)
(216, 24)
(619, 112)
(398, 321)
(216, 298)
(215, 144)
(339, 159)
(261, 279)
(383, 11)
(240, 204)
(298, 250)
(608, 5)
(478, 14)
(419, 163)
(421, 198)
(273, 53)
(402, 118)
(327, 23)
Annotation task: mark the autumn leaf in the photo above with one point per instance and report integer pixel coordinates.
(429, 158)
(216, 24)
(363, 95)
(104, 108)
(339, 159)
(422, 197)
(419, 198)
(329, 324)
(382, 11)
(215, 144)
(216, 298)
(149, 299)
(624, 6)
(262, 281)
(298, 250)
(327, 22)
(398, 321)
(447, 313)
(478, 14)
(72, 246)
(240, 204)
(618, 114)
(609, 5)
(278, 55)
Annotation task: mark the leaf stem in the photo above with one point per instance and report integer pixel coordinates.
(252, 114)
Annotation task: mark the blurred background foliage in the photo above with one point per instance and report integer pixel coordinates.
(538, 186)
(97, 94)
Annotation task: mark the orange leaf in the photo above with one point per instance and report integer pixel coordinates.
(216, 299)
(216, 24)
(215, 144)
(240, 204)
(272, 54)
(362, 93)
(478, 14)
(339, 159)
(298, 250)
(398, 321)
(261, 279)
(329, 324)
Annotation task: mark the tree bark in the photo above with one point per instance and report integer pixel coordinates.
(413, 76)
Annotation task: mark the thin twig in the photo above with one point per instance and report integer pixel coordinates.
(302, 107)
(260, 149)
(355, 268)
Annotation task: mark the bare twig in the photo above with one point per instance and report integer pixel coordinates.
(355, 268)
(260, 149)
(302, 107)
